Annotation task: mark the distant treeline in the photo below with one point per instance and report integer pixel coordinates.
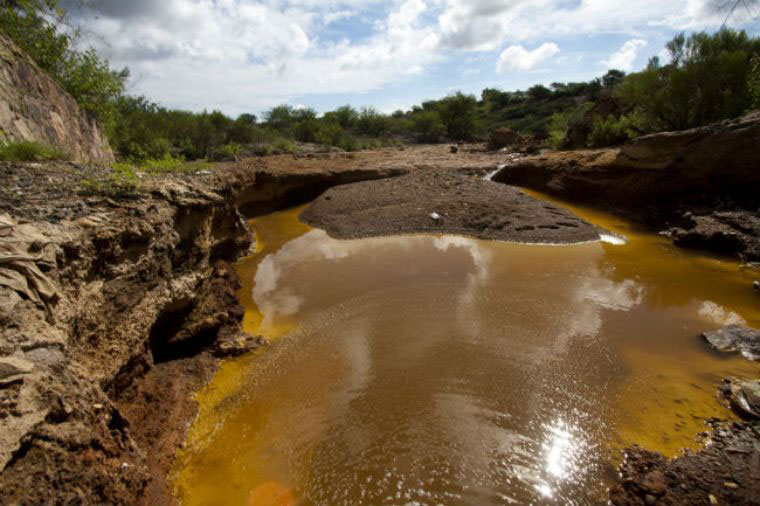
(709, 77)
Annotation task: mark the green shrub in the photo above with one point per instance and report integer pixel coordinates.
(285, 146)
(30, 152)
(227, 151)
(427, 126)
(610, 131)
(122, 181)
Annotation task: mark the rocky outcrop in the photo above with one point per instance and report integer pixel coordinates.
(659, 177)
(725, 471)
(35, 108)
(735, 339)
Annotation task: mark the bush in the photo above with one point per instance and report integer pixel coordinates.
(428, 127)
(458, 114)
(122, 180)
(285, 146)
(227, 152)
(706, 81)
(30, 152)
(610, 131)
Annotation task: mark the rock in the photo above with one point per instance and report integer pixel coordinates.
(502, 137)
(743, 396)
(756, 285)
(435, 216)
(13, 366)
(731, 233)
(35, 108)
(660, 176)
(735, 338)
(454, 148)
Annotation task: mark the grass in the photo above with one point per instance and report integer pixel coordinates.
(30, 152)
(124, 178)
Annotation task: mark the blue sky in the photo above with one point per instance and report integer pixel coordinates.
(247, 56)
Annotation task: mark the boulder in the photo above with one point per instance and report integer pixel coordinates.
(35, 108)
(744, 396)
(735, 338)
(502, 137)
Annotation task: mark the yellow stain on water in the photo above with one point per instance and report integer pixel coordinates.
(271, 232)
(666, 403)
(452, 370)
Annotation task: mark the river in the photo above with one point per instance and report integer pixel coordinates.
(448, 370)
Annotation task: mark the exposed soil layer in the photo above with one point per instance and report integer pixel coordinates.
(726, 471)
(699, 185)
(443, 202)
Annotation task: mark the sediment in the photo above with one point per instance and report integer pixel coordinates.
(440, 202)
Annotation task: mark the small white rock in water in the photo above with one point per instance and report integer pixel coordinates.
(612, 239)
(435, 216)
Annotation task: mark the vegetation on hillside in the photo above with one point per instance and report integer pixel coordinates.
(708, 78)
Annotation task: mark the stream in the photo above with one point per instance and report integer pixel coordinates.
(448, 370)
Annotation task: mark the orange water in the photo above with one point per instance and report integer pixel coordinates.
(448, 370)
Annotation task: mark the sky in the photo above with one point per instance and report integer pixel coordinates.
(245, 56)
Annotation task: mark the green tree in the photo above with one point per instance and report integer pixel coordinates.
(458, 114)
(707, 80)
(428, 127)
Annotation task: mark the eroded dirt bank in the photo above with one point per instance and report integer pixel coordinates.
(700, 186)
(113, 310)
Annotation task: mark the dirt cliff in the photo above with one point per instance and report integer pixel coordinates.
(35, 108)
(701, 183)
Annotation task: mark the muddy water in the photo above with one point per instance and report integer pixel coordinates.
(446, 370)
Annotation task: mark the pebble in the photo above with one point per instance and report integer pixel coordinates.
(731, 484)
(756, 285)
(435, 216)
(713, 499)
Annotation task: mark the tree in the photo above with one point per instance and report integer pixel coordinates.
(458, 114)
(612, 78)
(539, 92)
(707, 80)
(428, 126)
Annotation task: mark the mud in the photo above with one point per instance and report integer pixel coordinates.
(726, 471)
(441, 202)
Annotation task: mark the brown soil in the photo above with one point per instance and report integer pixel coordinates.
(726, 471)
(444, 202)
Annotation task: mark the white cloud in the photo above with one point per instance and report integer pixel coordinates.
(248, 55)
(625, 57)
(519, 58)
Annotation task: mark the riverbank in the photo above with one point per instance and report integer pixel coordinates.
(114, 309)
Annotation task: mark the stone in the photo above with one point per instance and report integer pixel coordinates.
(735, 338)
(744, 396)
(655, 483)
(49, 115)
(501, 137)
(13, 366)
